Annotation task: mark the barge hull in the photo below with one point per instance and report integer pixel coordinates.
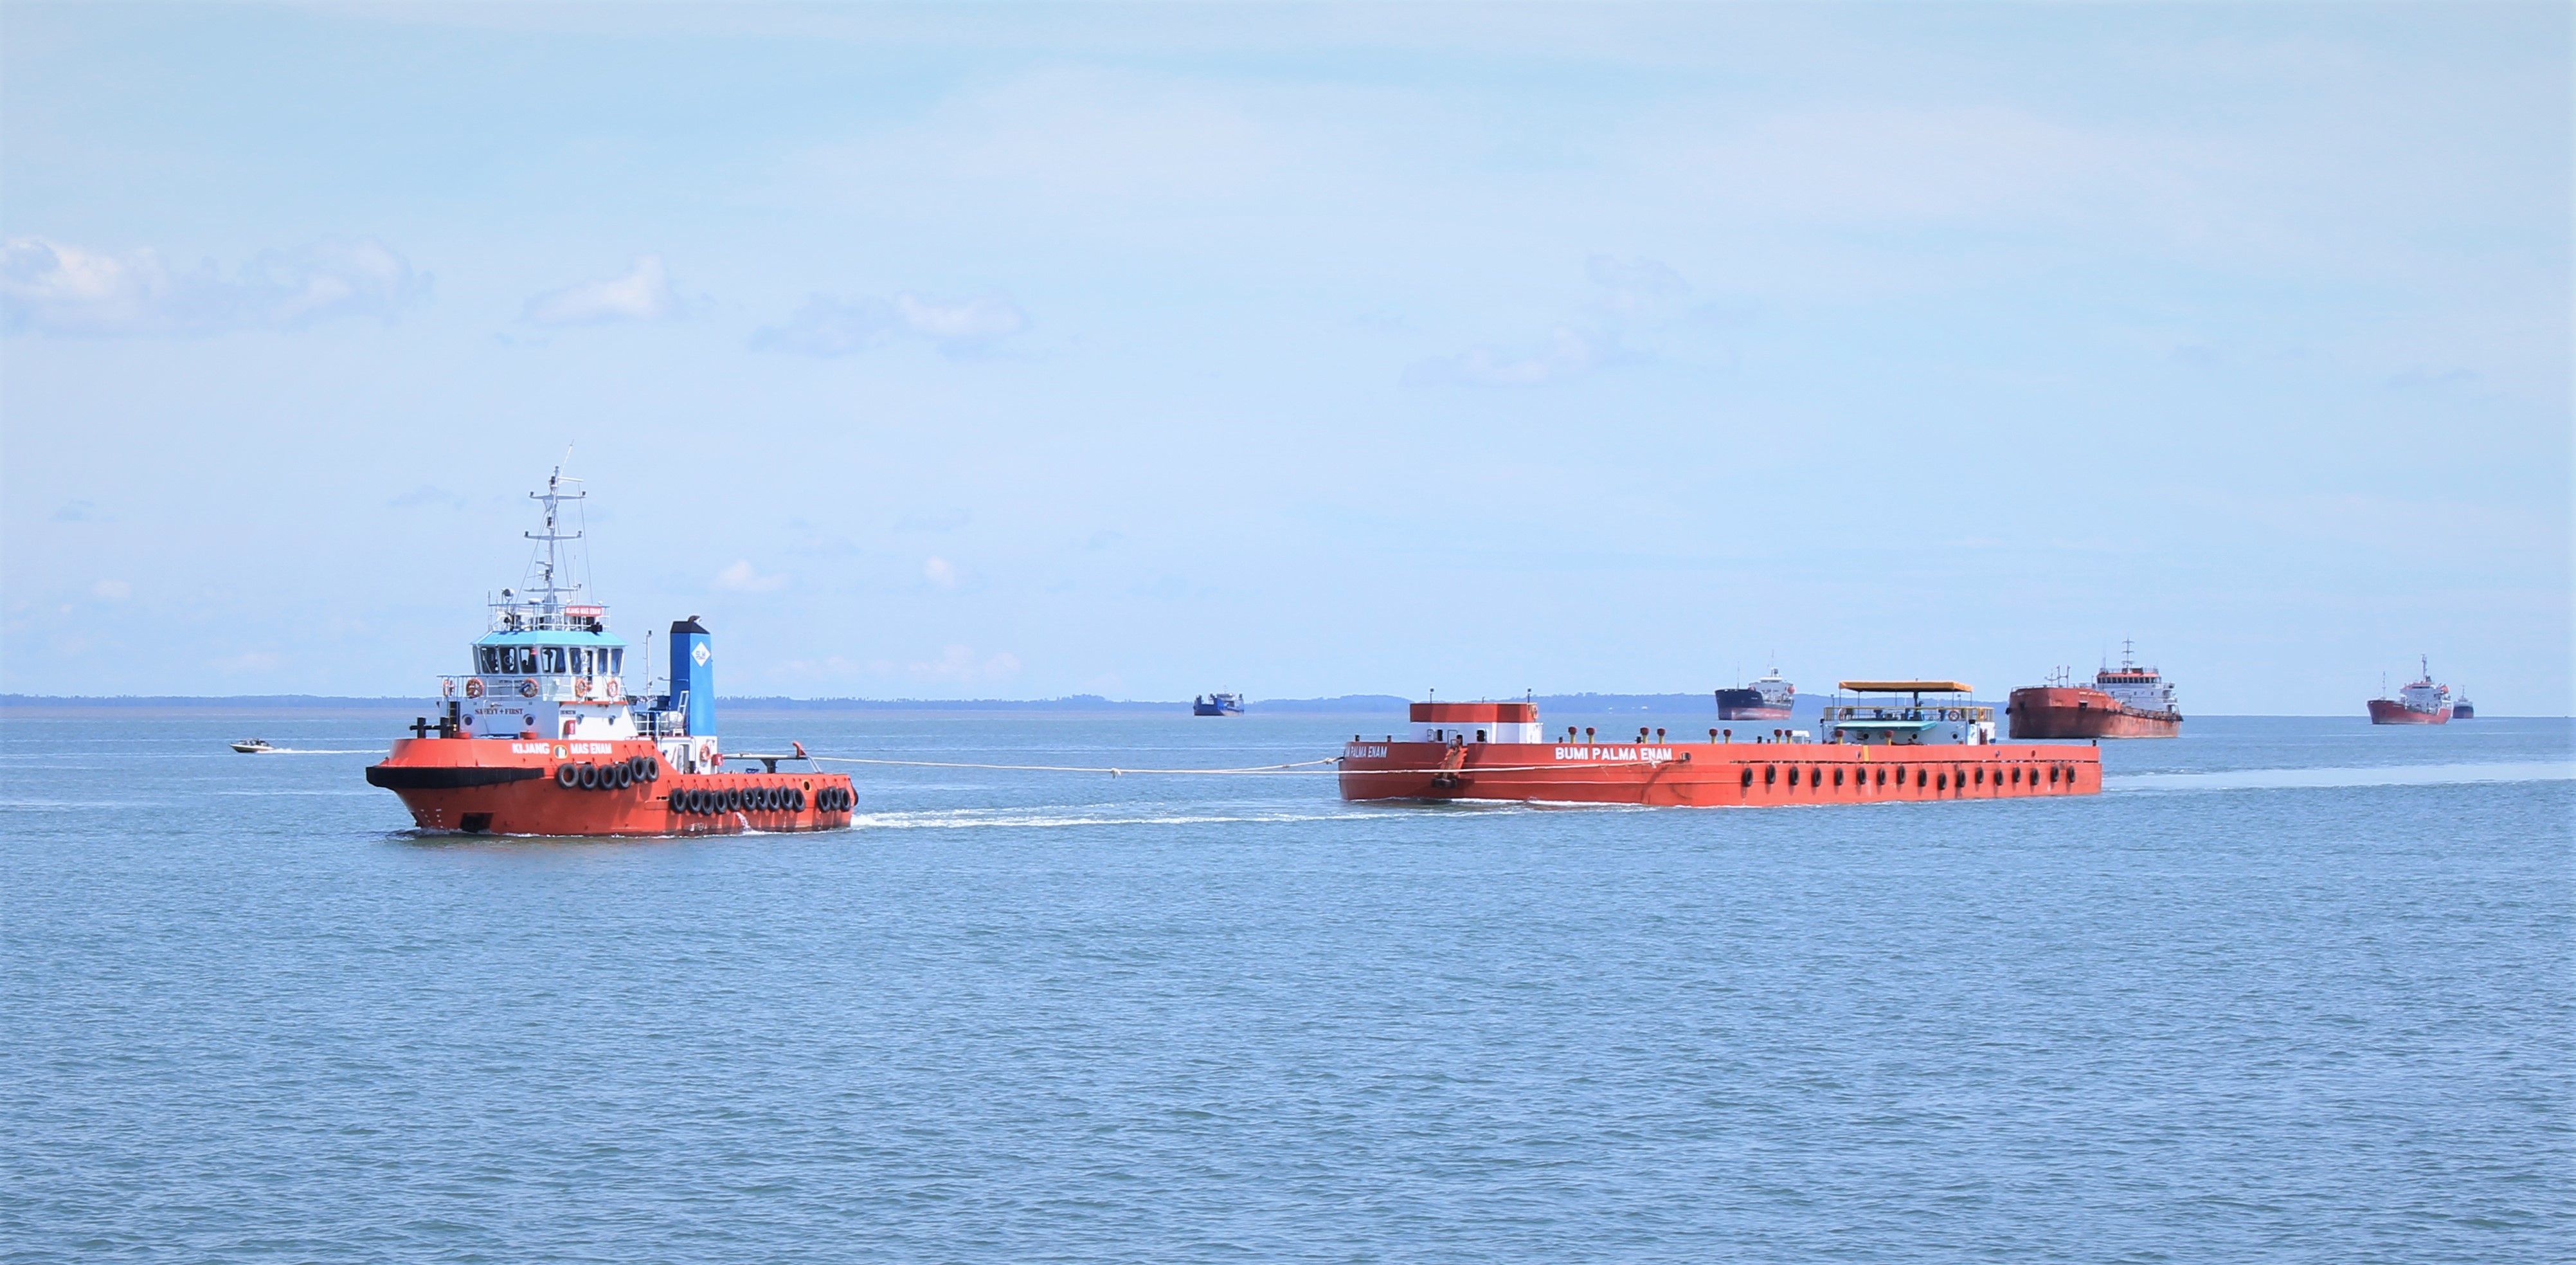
(1713, 775)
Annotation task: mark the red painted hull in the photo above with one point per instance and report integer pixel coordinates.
(1732, 774)
(2388, 711)
(491, 786)
(2058, 711)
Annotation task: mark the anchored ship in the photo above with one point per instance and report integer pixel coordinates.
(1900, 740)
(2463, 709)
(2421, 703)
(1217, 705)
(1767, 698)
(540, 737)
(2124, 702)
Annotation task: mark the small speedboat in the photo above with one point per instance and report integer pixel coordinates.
(253, 746)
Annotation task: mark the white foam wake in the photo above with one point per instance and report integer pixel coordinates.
(2386, 775)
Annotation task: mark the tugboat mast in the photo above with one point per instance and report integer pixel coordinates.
(551, 593)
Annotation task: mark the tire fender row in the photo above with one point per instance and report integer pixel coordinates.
(616, 775)
(702, 801)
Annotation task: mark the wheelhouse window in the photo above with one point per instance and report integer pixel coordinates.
(550, 660)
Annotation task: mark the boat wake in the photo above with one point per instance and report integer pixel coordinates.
(2294, 779)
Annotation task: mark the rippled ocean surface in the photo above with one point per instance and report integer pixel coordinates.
(2290, 990)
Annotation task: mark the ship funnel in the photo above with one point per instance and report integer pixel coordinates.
(693, 675)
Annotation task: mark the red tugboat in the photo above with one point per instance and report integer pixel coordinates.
(544, 740)
(2422, 703)
(1902, 748)
(2124, 702)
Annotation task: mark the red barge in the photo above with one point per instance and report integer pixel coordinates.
(2123, 702)
(541, 737)
(1901, 748)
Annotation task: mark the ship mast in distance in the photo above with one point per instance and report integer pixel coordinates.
(551, 600)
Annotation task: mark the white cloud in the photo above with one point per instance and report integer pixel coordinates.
(825, 326)
(642, 294)
(1637, 288)
(962, 665)
(1567, 352)
(111, 590)
(741, 577)
(53, 288)
(940, 572)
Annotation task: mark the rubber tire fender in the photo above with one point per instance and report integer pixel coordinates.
(589, 776)
(567, 776)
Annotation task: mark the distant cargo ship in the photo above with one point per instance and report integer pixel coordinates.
(1901, 747)
(1217, 705)
(2461, 709)
(2124, 702)
(2421, 703)
(1769, 698)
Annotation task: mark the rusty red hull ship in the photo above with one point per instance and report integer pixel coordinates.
(2128, 701)
(1877, 754)
(541, 737)
(2424, 702)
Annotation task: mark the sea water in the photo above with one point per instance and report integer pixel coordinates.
(2292, 990)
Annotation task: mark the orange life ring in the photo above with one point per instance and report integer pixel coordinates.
(527, 689)
(447, 687)
(473, 687)
(581, 687)
(608, 688)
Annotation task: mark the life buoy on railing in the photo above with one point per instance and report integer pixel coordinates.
(608, 688)
(473, 687)
(527, 689)
(447, 687)
(581, 687)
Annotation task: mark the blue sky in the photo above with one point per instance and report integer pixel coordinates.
(1012, 352)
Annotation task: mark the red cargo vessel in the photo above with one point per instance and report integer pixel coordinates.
(544, 739)
(2422, 703)
(1903, 748)
(2124, 702)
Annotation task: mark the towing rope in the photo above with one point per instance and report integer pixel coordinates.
(1302, 768)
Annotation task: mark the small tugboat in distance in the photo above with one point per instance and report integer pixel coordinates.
(1907, 748)
(546, 741)
(2462, 709)
(2126, 702)
(1767, 698)
(253, 746)
(2420, 703)
(1217, 705)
